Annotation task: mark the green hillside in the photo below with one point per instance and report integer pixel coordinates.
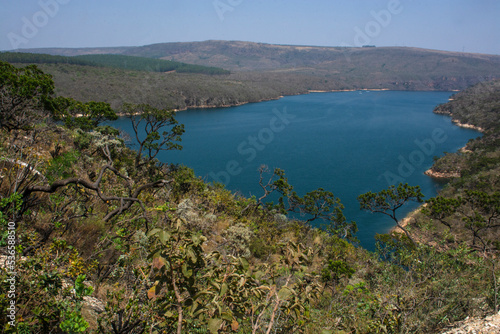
(248, 56)
(37, 58)
(322, 68)
(147, 64)
(112, 61)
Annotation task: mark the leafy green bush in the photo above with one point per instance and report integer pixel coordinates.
(62, 166)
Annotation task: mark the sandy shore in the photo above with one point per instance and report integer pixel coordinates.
(405, 221)
(467, 126)
(438, 175)
(349, 90)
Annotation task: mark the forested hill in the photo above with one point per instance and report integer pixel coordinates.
(387, 67)
(235, 55)
(478, 105)
(110, 60)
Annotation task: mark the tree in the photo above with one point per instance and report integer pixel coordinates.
(478, 211)
(481, 212)
(441, 208)
(177, 259)
(316, 204)
(224, 293)
(123, 202)
(24, 96)
(86, 116)
(154, 140)
(389, 200)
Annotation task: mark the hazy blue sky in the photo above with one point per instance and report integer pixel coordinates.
(457, 25)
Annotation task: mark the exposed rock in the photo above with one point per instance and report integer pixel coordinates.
(94, 304)
(441, 175)
(488, 325)
(467, 126)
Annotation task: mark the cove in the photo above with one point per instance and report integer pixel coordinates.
(346, 142)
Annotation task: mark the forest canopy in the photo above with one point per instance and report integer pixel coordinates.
(113, 61)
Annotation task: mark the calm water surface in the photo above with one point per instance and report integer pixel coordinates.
(345, 142)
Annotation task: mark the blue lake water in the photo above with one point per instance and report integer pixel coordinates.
(345, 142)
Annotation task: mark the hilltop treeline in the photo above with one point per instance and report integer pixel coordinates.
(149, 64)
(36, 58)
(106, 239)
(112, 61)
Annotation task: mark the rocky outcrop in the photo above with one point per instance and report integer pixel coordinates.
(441, 175)
(467, 126)
(488, 325)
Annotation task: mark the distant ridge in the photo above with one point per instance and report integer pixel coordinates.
(400, 68)
(258, 56)
(260, 71)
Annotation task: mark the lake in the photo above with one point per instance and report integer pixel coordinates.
(345, 142)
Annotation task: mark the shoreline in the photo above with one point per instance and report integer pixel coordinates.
(349, 90)
(407, 219)
(438, 175)
(226, 105)
(467, 126)
(441, 175)
(280, 97)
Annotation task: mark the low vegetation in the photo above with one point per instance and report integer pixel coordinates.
(106, 239)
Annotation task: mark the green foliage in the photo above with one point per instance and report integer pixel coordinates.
(111, 60)
(162, 130)
(225, 293)
(24, 93)
(43, 303)
(73, 323)
(316, 204)
(186, 181)
(37, 58)
(335, 270)
(177, 259)
(86, 116)
(478, 211)
(148, 64)
(124, 313)
(478, 105)
(389, 200)
(81, 290)
(62, 166)
(9, 206)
